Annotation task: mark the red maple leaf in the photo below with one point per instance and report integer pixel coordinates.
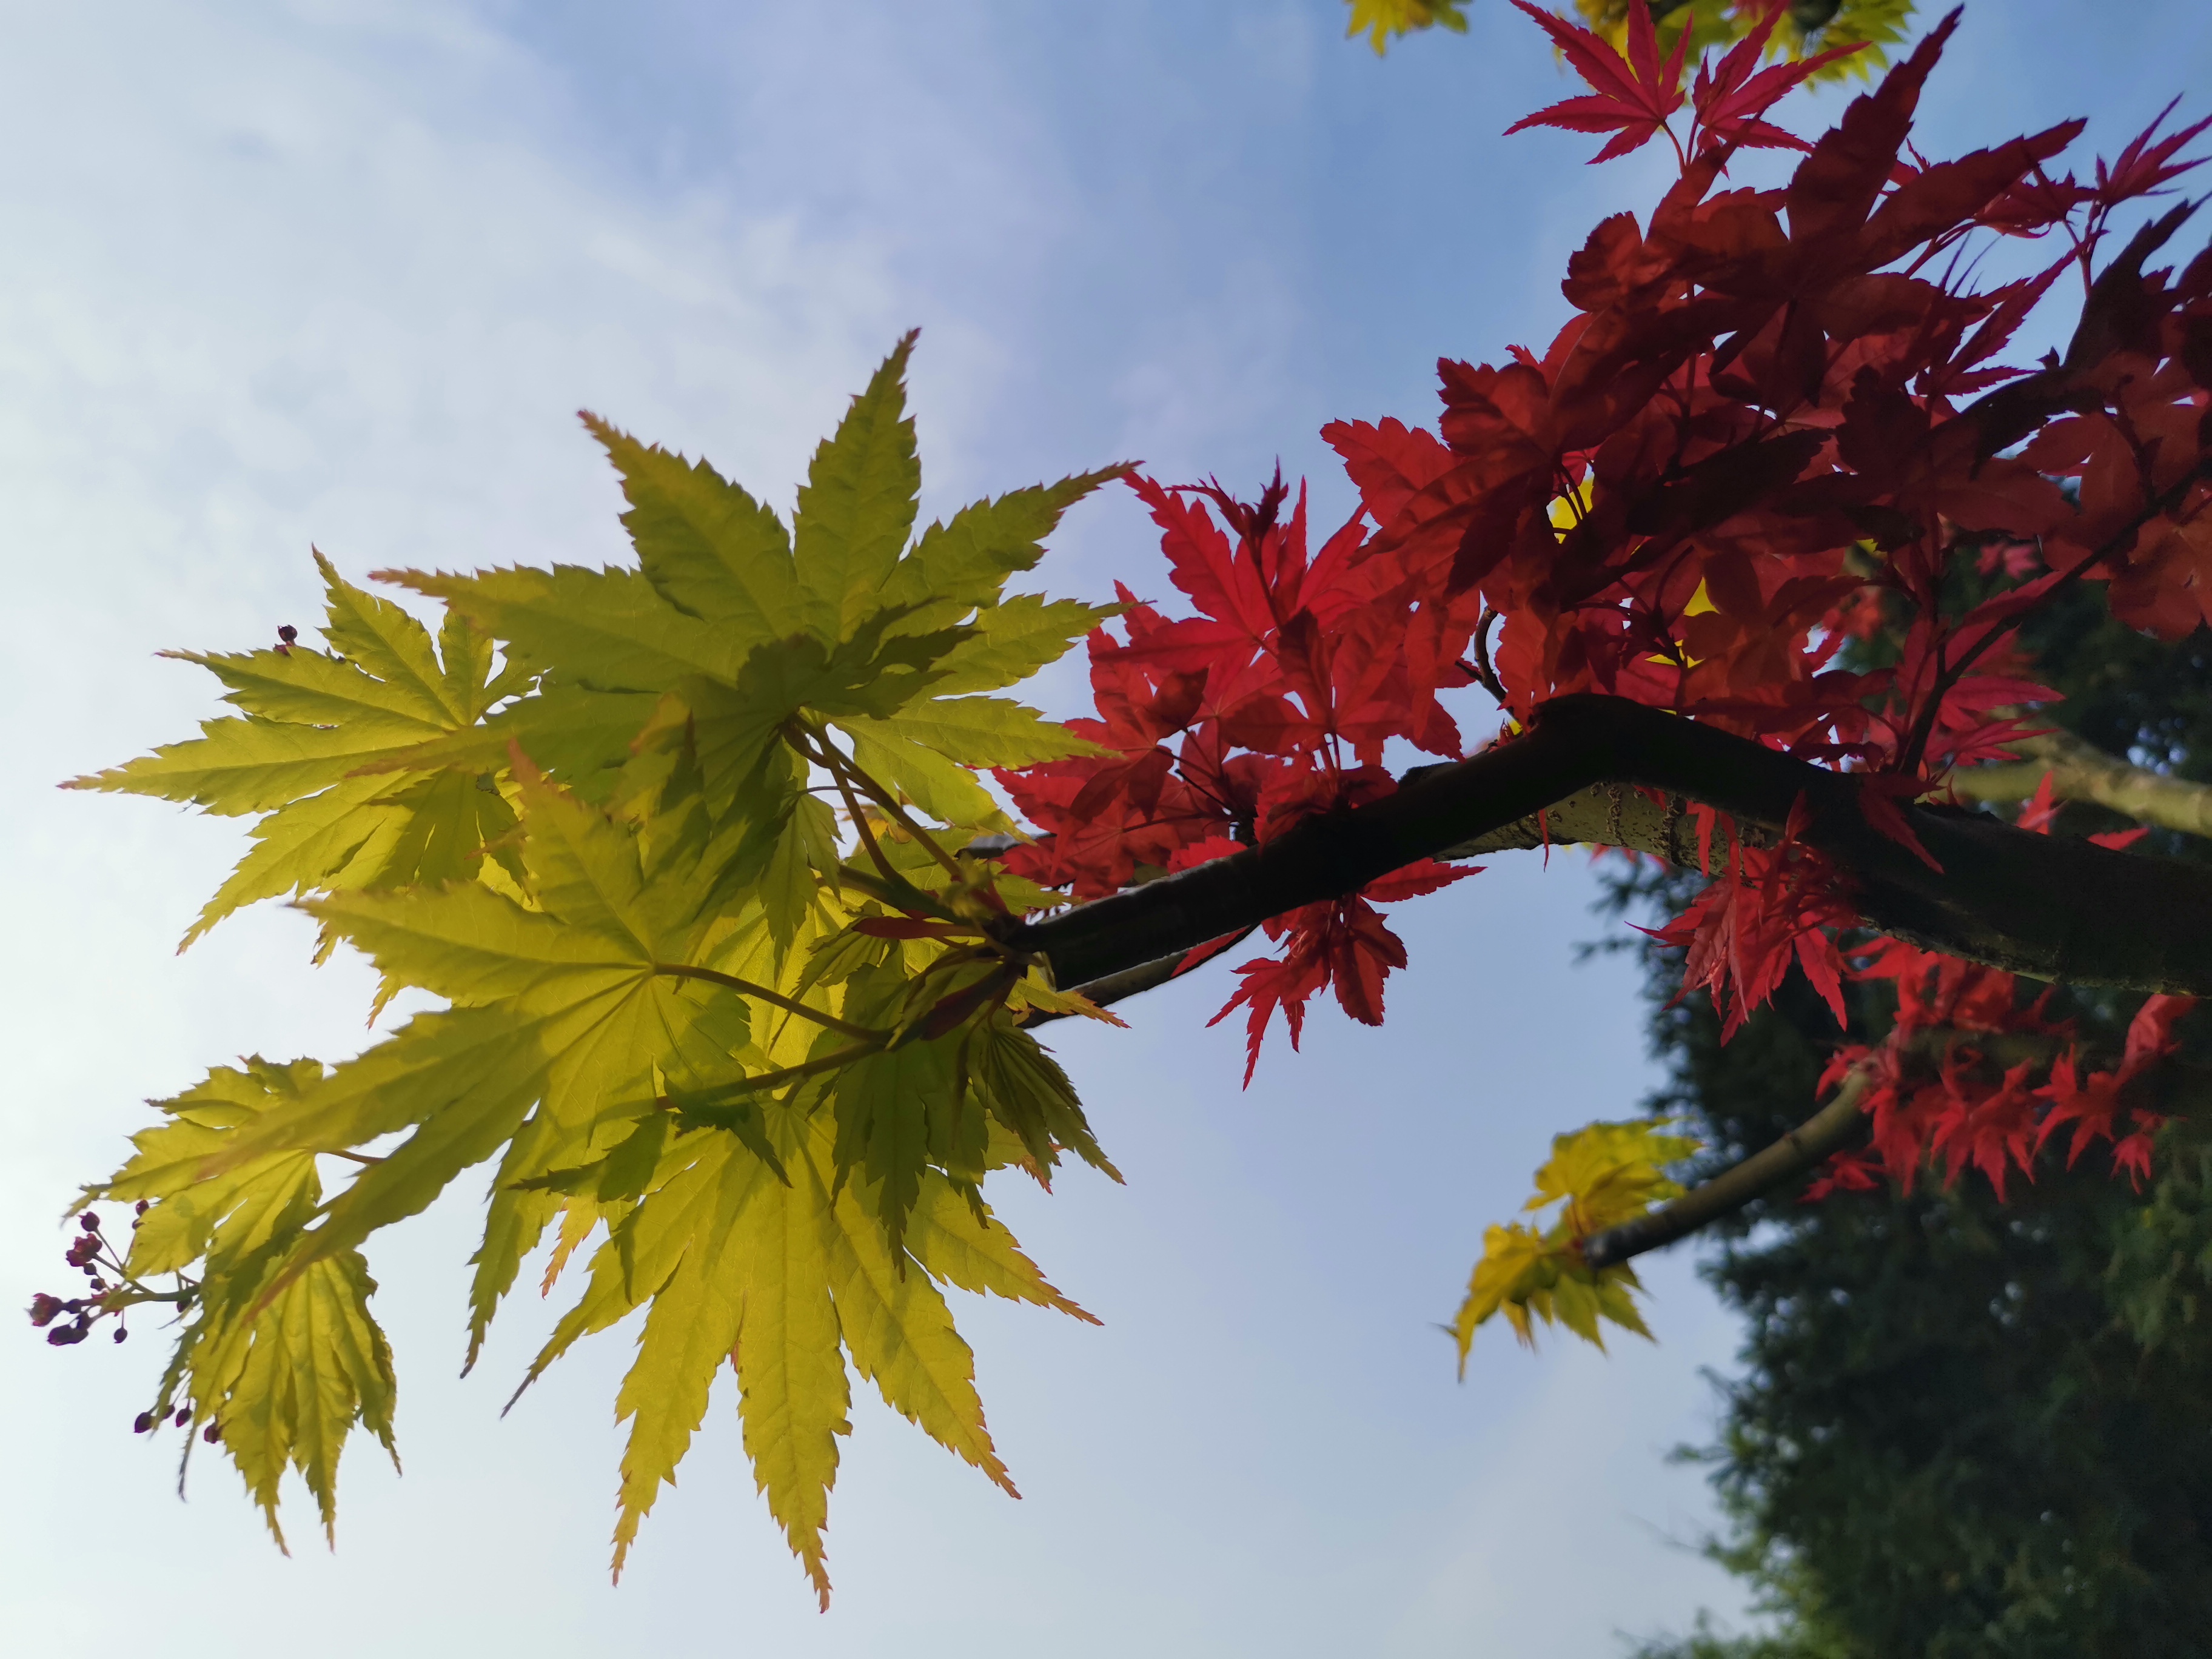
(1343, 943)
(2147, 163)
(1776, 418)
(1629, 97)
(1729, 99)
(1844, 1172)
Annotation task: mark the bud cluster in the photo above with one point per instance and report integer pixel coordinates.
(68, 1321)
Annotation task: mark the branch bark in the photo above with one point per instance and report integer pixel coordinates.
(2035, 905)
(1837, 1125)
(1842, 1122)
(2082, 771)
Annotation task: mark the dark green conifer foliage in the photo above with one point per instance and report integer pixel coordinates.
(1964, 1429)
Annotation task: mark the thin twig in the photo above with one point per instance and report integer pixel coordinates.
(1145, 976)
(1835, 1126)
(1483, 672)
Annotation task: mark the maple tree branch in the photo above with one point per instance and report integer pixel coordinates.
(1145, 976)
(2035, 905)
(2082, 771)
(1843, 1122)
(1614, 815)
(1837, 1125)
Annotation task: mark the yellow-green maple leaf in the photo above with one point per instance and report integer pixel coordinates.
(281, 1376)
(1384, 20)
(777, 1279)
(1807, 27)
(836, 622)
(660, 1022)
(1601, 1176)
(310, 721)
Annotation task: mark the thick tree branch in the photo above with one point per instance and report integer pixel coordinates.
(2046, 907)
(1611, 815)
(2082, 771)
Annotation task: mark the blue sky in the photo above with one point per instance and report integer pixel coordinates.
(340, 273)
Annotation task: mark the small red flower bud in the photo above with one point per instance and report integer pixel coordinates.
(184, 1415)
(212, 1434)
(142, 1207)
(121, 1332)
(89, 1222)
(63, 1336)
(142, 1424)
(45, 1309)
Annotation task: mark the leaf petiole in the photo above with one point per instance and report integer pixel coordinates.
(753, 1085)
(775, 998)
(839, 762)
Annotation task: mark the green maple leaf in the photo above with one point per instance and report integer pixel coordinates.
(775, 1279)
(614, 860)
(310, 721)
(1383, 21)
(1603, 1175)
(836, 622)
(284, 1376)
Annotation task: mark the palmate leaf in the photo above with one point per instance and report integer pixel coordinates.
(775, 1278)
(309, 723)
(836, 622)
(231, 1215)
(617, 862)
(1383, 21)
(284, 1376)
(1601, 1174)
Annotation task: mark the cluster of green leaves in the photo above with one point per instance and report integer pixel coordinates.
(1964, 1427)
(1809, 25)
(679, 848)
(1383, 21)
(1600, 1175)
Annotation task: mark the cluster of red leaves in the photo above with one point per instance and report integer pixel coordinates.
(1774, 418)
(1278, 696)
(1938, 1095)
(1767, 906)
(1934, 1093)
(1766, 403)
(1633, 97)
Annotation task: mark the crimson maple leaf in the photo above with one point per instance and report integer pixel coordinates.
(2147, 163)
(1629, 97)
(1729, 99)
